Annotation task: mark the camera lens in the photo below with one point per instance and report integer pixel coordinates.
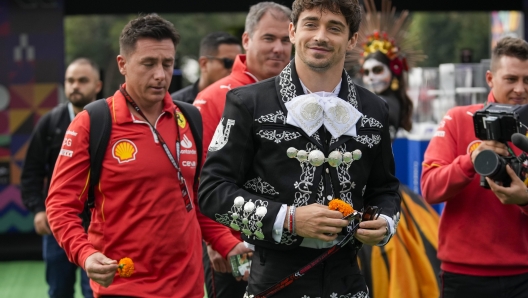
(488, 163)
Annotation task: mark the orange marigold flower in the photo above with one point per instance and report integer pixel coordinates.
(126, 267)
(341, 206)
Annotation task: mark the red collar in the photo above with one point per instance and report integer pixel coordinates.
(121, 113)
(240, 71)
(491, 98)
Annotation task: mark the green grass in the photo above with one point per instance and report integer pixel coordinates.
(26, 279)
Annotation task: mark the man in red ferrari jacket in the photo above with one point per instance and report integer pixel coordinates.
(268, 50)
(142, 210)
(483, 236)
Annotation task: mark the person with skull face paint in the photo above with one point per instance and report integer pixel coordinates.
(385, 76)
(407, 266)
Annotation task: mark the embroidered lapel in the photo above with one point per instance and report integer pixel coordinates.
(348, 91)
(288, 87)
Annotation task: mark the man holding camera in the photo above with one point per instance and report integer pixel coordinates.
(483, 236)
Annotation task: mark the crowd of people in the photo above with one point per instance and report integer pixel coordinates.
(247, 160)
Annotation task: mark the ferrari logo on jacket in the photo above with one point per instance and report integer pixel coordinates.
(124, 151)
(181, 120)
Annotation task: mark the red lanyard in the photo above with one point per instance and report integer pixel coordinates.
(175, 162)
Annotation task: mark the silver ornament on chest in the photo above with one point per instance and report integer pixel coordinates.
(317, 158)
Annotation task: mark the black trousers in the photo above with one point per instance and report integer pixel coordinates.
(467, 286)
(337, 276)
(221, 285)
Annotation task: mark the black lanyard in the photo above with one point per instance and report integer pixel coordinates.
(175, 162)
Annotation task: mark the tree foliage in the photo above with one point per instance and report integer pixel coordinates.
(444, 35)
(97, 37)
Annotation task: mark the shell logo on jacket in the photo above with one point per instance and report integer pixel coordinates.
(473, 145)
(124, 151)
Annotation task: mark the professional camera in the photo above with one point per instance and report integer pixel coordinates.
(501, 122)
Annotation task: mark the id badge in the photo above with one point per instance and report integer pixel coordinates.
(185, 195)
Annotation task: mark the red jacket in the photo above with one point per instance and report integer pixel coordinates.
(478, 234)
(139, 210)
(211, 103)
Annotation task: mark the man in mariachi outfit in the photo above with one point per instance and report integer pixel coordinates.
(288, 145)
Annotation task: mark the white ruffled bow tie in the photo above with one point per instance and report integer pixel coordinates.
(310, 111)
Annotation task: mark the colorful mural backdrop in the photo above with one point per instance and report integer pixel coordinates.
(506, 23)
(31, 72)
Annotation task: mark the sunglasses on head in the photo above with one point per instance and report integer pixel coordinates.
(228, 63)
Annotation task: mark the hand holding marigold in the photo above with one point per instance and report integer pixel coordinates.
(126, 267)
(341, 206)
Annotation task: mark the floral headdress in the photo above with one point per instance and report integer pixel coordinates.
(386, 32)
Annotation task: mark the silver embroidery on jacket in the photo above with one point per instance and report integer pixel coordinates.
(369, 141)
(302, 195)
(333, 140)
(320, 192)
(278, 137)
(287, 238)
(316, 137)
(263, 187)
(371, 122)
(345, 182)
(277, 117)
(287, 88)
(221, 135)
(357, 295)
(351, 91)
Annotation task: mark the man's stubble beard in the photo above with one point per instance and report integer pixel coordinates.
(82, 102)
(319, 67)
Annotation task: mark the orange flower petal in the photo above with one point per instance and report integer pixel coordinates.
(341, 206)
(126, 267)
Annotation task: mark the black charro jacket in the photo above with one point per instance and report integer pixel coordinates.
(247, 158)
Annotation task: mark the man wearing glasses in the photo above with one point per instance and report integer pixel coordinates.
(218, 51)
(268, 50)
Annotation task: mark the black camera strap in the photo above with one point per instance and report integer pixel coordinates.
(371, 213)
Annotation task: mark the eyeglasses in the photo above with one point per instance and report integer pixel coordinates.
(228, 63)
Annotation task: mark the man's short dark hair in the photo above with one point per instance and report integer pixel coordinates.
(210, 43)
(148, 26)
(350, 9)
(84, 60)
(511, 47)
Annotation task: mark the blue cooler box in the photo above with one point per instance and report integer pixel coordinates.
(409, 150)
